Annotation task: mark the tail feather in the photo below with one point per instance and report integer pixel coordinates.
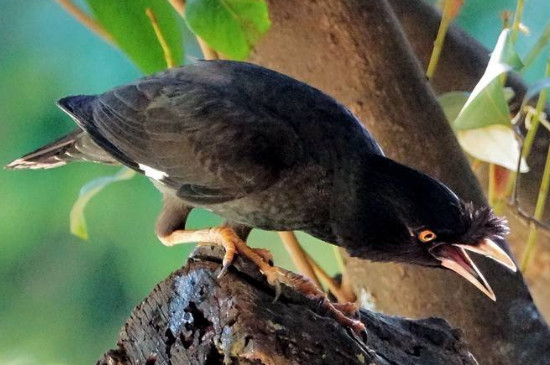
(76, 146)
(48, 156)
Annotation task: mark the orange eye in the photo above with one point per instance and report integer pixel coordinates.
(426, 236)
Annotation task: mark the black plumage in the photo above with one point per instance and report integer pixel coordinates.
(266, 151)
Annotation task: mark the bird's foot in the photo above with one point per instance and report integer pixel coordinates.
(276, 276)
(230, 241)
(226, 237)
(341, 312)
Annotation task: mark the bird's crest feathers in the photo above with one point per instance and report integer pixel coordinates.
(482, 223)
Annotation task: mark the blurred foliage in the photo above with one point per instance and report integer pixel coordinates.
(230, 27)
(127, 23)
(483, 124)
(77, 222)
(63, 300)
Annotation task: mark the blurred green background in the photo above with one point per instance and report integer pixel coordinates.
(63, 300)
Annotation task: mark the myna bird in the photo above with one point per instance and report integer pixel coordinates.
(266, 151)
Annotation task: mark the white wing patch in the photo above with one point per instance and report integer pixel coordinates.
(152, 173)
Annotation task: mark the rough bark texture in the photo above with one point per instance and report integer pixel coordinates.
(356, 51)
(463, 61)
(193, 318)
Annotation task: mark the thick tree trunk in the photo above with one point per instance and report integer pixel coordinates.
(193, 318)
(463, 61)
(356, 51)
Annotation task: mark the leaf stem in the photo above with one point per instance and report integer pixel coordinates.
(86, 20)
(538, 47)
(539, 211)
(535, 122)
(545, 183)
(207, 51)
(451, 9)
(162, 41)
(517, 19)
(331, 284)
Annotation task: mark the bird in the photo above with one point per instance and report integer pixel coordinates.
(264, 150)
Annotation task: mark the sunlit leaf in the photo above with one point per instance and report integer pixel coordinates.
(231, 27)
(487, 103)
(78, 222)
(453, 102)
(495, 144)
(132, 30)
(505, 52)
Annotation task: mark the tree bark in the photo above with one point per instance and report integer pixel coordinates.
(462, 63)
(193, 318)
(356, 51)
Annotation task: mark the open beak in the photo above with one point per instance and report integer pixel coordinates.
(454, 257)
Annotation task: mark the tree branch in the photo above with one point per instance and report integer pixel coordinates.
(194, 318)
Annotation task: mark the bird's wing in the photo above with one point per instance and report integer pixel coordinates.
(197, 136)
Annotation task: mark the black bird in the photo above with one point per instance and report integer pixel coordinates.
(266, 151)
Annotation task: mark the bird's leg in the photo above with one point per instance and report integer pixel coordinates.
(225, 236)
(341, 312)
(243, 231)
(171, 231)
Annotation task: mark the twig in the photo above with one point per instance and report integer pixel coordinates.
(207, 51)
(162, 41)
(332, 285)
(517, 20)
(346, 286)
(537, 48)
(505, 16)
(86, 20)
(451, 8)
(539, 211)
(545, 183)
(299, 256)
(525, 146)
(535, 121)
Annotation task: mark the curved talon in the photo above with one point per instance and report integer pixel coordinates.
(278, 291)
(223, 271)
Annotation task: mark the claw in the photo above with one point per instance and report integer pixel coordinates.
(277, 286)
(224, 269)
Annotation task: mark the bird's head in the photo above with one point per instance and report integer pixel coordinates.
(427, 224)
(478, 231)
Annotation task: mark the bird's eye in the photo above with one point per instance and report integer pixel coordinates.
(426, 236)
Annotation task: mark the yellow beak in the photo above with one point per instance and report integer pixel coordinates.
(454, 257)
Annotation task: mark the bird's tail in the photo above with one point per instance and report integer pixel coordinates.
(76, 146)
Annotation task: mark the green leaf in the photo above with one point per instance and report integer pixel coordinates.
(487, 103)
(126, 21)
(452, 102)
(505, 52)
(231, 27)
(495, 144)
(87, 192)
